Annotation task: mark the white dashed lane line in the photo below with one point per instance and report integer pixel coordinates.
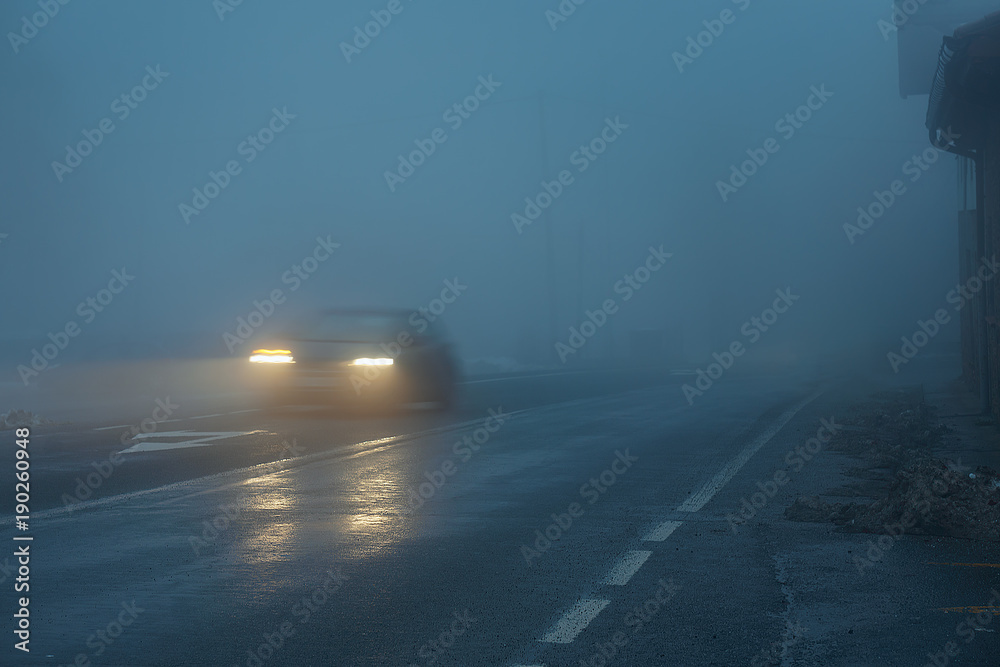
(662, 531)
(700, 499)
(626, 566)
(574, 621)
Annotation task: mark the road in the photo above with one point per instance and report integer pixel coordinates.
(551, 519)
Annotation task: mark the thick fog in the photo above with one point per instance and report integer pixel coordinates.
(297, 123)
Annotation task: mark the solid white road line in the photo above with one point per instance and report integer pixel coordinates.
(700, 499)
(519, 377)
(574, 621)
(626, 566)
(662, 531)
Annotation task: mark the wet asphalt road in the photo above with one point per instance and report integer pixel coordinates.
(558, 520)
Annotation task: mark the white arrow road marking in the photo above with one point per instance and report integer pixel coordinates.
(181, 419)
(204, 438)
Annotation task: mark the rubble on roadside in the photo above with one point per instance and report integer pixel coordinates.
(20, 419)
(926, 496)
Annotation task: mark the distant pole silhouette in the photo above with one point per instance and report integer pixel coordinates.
(550, 278)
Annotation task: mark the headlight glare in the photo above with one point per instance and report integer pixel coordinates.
(272, 357)
(381, 361)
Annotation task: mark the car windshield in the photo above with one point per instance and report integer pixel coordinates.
(349, 327)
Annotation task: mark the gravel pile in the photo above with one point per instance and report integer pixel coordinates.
(21, 418)
(926, 496)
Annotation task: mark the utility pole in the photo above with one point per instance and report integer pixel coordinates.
(550, 277)
(581, 272)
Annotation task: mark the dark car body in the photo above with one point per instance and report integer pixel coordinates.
(358, 357)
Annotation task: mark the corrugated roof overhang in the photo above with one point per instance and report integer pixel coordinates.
(966, 86)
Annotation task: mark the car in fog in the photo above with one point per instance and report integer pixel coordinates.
(356, 358)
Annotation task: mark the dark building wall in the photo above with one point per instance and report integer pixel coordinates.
(968, 261)
(991, 208)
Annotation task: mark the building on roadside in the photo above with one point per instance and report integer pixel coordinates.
(963, 117)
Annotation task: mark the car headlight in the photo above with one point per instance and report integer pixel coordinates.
(381, 361)
(272, 357)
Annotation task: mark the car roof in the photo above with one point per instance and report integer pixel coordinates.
(397, 320)
(316, 325)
